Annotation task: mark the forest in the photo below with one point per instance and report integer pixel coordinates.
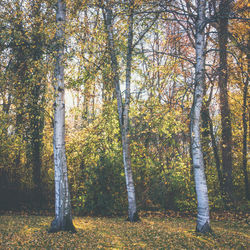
(115, 108)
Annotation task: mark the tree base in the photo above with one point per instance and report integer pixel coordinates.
(205, 229)
(134, 218)
(62, 225)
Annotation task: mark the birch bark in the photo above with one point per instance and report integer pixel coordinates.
(203, 220)
(123, 109)
(132, 212)
(63, 217)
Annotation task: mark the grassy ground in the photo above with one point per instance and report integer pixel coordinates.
(153, 232)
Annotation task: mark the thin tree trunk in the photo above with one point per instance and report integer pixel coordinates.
(224, 10)
(216, 154)
(132, 212)
(123, 112)
(209, 130)
(203, 220)
(36, 126)
(245, 132)
(63, 217)
(36, 145)
(205, 133)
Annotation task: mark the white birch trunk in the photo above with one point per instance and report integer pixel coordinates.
(132, 211)
(203, 221)
(63, 217)
(123, 112)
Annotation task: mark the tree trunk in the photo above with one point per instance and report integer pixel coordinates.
(123, 112)
(205, 134)
(203, 220)
(224, 10)
(63, 217)
(208, 129)
(132, 212)
(244, 120)
(216, 154)
(36, 127)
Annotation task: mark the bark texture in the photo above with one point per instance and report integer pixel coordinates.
(63, 217)
(203, 220)
(245, 130)
(226, 129)
(123, 109)
(216, 152)
(132, 212)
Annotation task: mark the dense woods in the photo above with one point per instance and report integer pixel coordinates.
(156, 107)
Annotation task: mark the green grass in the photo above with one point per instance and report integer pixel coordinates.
(154, 232)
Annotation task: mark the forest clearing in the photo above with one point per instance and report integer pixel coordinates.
(152, 232)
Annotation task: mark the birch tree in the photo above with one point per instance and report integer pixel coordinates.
(203, 220)
(123, 109)
(63, 217)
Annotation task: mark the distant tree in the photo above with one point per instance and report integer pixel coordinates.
(226, 128)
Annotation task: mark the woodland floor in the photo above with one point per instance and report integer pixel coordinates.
(23, 231)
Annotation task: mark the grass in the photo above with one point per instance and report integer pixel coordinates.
(153, 232)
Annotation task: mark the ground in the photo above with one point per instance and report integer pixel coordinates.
(23, 231)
